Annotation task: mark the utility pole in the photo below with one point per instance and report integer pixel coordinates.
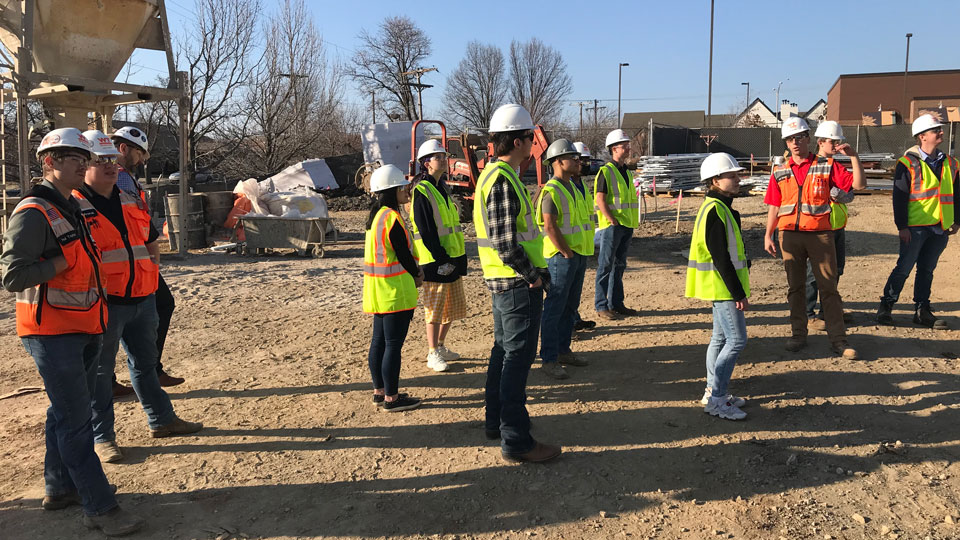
(595, 108)
(747, 84)
(581, 104)
(373, 106)
(906, 68)
(418, 73)
(710, 75)
(620, 88)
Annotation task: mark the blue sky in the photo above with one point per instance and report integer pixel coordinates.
(665, 43)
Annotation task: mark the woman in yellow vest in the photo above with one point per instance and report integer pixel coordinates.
(717, 271)
(390, 280)
(438, 241)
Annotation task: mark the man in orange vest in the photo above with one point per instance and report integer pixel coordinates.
(53, 265)
(121, 227)
(799, 201)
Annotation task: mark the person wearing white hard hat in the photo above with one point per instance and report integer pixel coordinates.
(133, 145)
(438, 240)
(586, 202)
(830, 139)
(52, 263)
(718, 271)
(510, 246)
(924, 183)
(390, 281)
(120, 225)
(566, 232)
(798, 197)
(618, 214)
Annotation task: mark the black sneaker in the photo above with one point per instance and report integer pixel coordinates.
(404, 403)
(378, 398)
(584, 325)
(884, 314)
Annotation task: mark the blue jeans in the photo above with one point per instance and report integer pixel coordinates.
(561, 304)
(389, 333)
(728, 339)
(612, 243)
(923, 251)
(840, 242)
(516, 326)
(68, 365)
(136, 327)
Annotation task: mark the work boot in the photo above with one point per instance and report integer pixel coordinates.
(885, 314)
(626, 312)
(59, 502)
(924, 317)
(584, 325)
(817, 324)
(169, 380)
(120, 390)
(847, 317)
(844, 349)
(108, 451)
(570, 359)
(540, 453)
(554, 370)
(609, 315)
(176, 427)
(795, 343)
(115, 522)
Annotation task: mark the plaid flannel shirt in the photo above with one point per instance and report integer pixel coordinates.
(503, 206)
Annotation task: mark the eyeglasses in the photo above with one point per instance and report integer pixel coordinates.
(105, 160)
(798, 137)
(527, 136)
(82, 160)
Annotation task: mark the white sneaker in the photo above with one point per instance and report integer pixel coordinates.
(436, 362)
(734, 400)
(724, 409)
(447, 354)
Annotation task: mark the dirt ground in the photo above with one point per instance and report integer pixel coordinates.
(274, 352)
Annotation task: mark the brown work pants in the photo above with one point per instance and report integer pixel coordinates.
(797, 247)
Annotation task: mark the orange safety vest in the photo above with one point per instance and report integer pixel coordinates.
(127, 267)
(72, 301)
(807, 207)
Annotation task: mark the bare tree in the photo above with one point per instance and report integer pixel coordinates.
(538, 79)
(399, 47)
(476, 87)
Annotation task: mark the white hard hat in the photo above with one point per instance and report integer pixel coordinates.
(65, 138)
(830, 130)
(717, 164)
(582, 148)
(923, 123)
(429, 147)
(102, 145)
(133, 135)
(510, 117)
(616, 136)
(386, 177)
(792, 126)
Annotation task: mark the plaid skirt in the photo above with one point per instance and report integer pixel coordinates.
(444, 302)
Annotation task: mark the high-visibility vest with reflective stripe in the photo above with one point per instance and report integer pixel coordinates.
(570, 219)
(621, 197)
(128, 269)
(838, 215)
(805, 208)
(387, 287)
(703, 278)
(528, 235)
(445, 215)
(586, 209)
(72, 301)
(931, 198)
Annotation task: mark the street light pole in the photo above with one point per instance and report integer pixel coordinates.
(779, 119)
(747, 84)
(710, 75)
(619, 89)
(906, 68)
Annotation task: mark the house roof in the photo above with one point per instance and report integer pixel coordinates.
(750, 106)
(815, 105)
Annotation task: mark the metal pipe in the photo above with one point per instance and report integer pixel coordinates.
(710, 75)
(619, 90)
(906, 69)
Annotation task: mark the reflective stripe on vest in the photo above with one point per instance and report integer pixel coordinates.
(621, 197)
(812, 197)
(446, 216)
(703, 278)
(570, 221)
(931, 199)
(387, 287)
(70, 302)
(528, 235)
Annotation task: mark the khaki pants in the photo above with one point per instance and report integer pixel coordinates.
(818, 247)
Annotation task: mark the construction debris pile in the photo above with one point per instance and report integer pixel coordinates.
(669, 173)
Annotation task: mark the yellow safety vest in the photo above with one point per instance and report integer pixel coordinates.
(387, 287)
(931, 198)
(570, 219)
(621, 197)
(590, 225)
(703, 279)
(446, 216)
(528, 234)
